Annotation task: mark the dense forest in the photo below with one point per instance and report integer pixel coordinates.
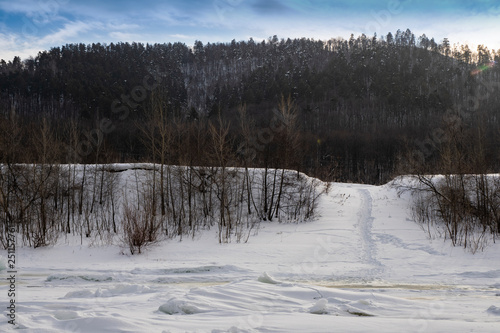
(363, 109)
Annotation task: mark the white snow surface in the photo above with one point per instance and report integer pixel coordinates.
(362, 266)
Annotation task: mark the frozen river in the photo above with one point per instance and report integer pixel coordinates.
(363, 265)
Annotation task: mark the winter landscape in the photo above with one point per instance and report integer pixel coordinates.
(249, 166)
(361, 265)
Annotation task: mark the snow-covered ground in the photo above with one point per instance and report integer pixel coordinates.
(362, 266)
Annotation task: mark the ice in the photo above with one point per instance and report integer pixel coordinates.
(177, 306)
(320, 307)
(266, 278)
(122, 289)
(75, 278)
(494, 310)
(80, 294)
(66, 315)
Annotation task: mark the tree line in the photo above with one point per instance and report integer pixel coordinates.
(360, 102)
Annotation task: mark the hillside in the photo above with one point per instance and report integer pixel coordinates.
(360, 106)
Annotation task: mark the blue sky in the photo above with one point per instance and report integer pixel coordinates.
(29, 26)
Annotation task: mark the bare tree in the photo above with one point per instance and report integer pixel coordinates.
(158, 136)
(247, 153)
(289, 145)
(222, 156)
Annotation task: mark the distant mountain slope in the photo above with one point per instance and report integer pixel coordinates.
(362, 103)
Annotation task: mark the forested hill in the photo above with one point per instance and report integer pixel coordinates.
(359, 110)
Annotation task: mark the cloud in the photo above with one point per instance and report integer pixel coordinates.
(39, 12)
(68, 32)
(181, 36)
(270, 7)
(489, 7)
(123, 26)
(7, 41)
(173, 16)
(24, 45)
(126, 36)
(34, 25)
(20, 6)
(13, 46)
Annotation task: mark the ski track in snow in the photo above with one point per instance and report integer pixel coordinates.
(365, 225)
(396, 241)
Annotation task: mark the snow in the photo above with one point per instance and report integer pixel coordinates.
(175, 306)
(494, 310)
(266, 278)
(362, 266)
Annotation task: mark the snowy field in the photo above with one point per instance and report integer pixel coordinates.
(362, 266)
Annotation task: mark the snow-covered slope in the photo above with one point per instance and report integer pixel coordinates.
(362, 266)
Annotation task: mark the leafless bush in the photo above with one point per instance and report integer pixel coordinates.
(300, 198)
(424, 214)
(140, 228)
(463, 208)
(30, 202)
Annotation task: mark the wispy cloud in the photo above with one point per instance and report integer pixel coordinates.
(39, 12)
(67, 32)
(125, 36)
(12, 46)
(7, 41)
(174, 17)
(180, 36)
(274, 7)
(32, 25)
(15, 44)
(27, 7)
(123, 26)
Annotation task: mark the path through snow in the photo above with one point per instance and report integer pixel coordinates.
(368, 245)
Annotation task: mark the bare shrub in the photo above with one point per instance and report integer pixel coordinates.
(140, 227)
(463, 208)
